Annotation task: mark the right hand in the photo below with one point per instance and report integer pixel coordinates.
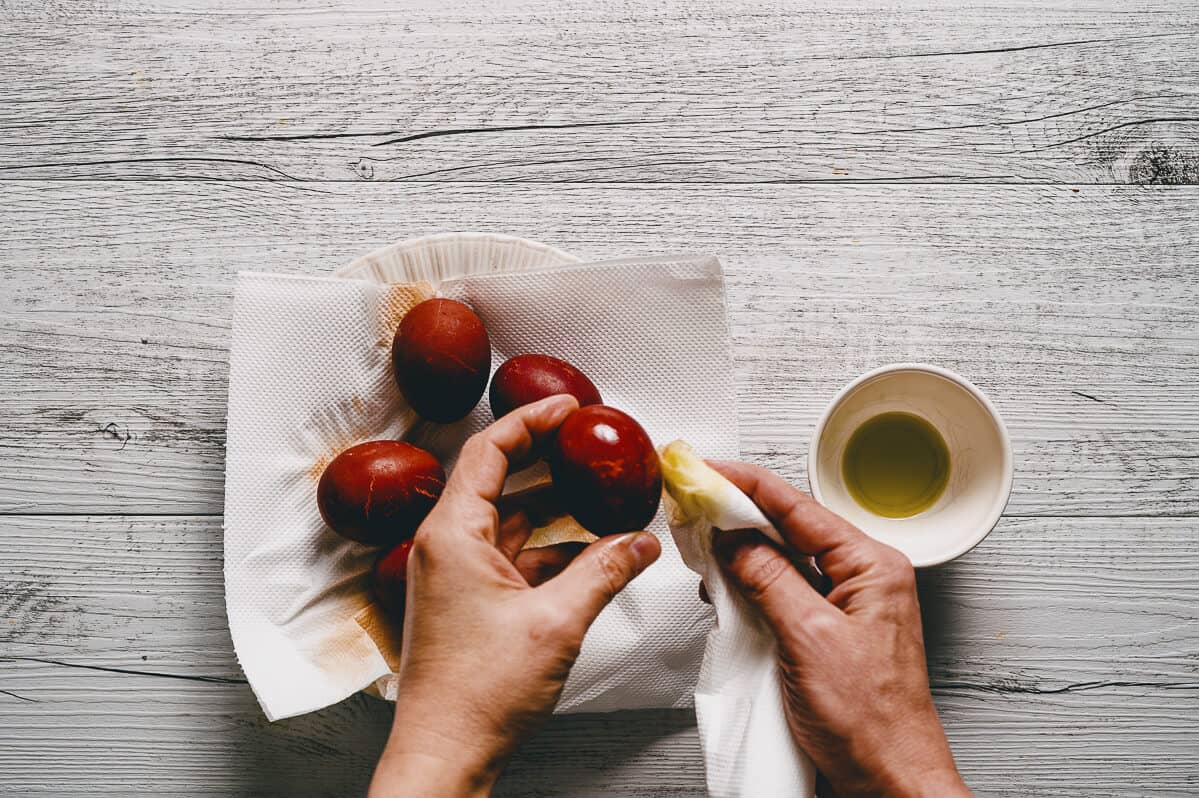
(855, 680)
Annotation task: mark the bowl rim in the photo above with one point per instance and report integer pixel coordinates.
(1005, 492)
(352, 269)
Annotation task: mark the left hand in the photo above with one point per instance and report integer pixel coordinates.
(486, 647)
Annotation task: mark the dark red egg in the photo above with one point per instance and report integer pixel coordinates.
(525, 379)
(605, 470)
(379, 492)
(442, 356)
(389, 580)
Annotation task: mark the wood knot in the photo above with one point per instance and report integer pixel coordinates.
(364, 169)
(1163, 165)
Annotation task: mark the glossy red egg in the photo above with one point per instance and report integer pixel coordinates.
(389, 580)
(525, 379)
(379, 492)
(605, 470)
(442, 356)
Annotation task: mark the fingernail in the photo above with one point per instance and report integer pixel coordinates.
(645, 548)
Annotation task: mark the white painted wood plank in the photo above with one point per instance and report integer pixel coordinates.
(97, 734)
(1062, 655)
(1042, 605)
(595, 92)
(80, 732)
(1076, 311)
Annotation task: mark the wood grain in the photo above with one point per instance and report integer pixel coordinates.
(1042, 605)
(96, 734)
(747, 91)
(1045, 631)
(1075, 311)
(935, 181)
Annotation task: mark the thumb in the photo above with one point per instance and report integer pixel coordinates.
(769, 581)
(601, 571)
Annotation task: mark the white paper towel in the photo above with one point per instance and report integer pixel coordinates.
(310, 375)
(748, 749)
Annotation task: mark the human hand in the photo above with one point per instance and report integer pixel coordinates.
(491, 632)
(855, 679)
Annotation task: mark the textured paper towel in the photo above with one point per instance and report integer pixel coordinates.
(310, 375)
(748, 750)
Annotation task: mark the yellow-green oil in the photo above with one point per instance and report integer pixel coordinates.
(896, 465)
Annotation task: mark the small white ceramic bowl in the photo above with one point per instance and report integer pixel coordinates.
(980, 454)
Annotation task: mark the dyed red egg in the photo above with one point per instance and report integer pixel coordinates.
(605, 470)
(379, 492)
(525, 379)
(442, 356)
(389, 580)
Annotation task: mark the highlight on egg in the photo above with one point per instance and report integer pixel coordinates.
(605, 470)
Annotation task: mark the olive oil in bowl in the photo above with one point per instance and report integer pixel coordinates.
(896, 465)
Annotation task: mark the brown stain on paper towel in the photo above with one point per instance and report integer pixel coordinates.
(385, 635)
(395, 300)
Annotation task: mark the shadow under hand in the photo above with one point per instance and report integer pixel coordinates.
(327, 753)
(640, 752)
(940, 614)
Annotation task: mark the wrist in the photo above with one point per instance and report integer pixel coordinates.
(420, 775)
(915, 766)
(921, 772)
(939, 783)
(425, 758)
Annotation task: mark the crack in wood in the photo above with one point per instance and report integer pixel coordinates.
(999, 689)
(1020, 48)
(1017, 122)
(433, 133)
(129, 671)
(1078, 687)
(19, 697)
(1109, 130)
(466, 130)
(119, 161)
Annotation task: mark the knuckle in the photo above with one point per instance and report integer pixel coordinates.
(818, 625)
(899, 571)
(557, 622)
(427, 545)
(761, 571)
(474, 446)
(612, 572)
(420, 554)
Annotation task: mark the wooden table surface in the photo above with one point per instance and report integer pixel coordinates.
(1004, 188)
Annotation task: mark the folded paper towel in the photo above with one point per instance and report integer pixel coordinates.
(310, 375)
(748, 750)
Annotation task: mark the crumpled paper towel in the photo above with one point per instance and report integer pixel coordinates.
(748, 750)
(310, 375)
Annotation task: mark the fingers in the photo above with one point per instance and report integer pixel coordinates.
(467, 505)
(769, 581)
(543, 564)
(841, 549)
(483, 464)
(601, 571)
